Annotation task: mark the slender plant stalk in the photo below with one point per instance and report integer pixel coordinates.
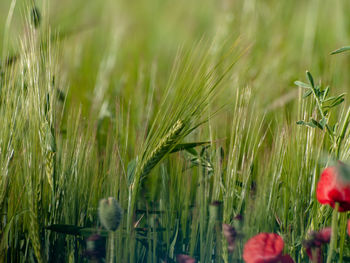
(334, 236)
(343, 220)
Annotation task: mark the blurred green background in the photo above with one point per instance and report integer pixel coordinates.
(113, 60)
(284, 37)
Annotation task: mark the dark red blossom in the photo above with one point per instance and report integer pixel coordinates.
(313, 245)
(265, 247)
(334, 188)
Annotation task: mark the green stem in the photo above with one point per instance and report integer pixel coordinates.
(343, 220)
(334, 236)
(111, 235)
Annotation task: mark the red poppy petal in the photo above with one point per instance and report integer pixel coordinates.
(332, 188)
(324, 235)
(264, 247)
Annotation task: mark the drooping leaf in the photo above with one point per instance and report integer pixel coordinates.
(302, 84)
(317, 124)
(131, 171)
(333, 101)
(307, 93)
(310, 124)
(65, 229)
(188, 147)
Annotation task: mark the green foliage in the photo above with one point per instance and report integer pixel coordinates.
(156, 104)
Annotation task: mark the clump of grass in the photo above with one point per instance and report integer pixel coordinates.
(59, 155)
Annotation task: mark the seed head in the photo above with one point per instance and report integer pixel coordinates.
(110, 213)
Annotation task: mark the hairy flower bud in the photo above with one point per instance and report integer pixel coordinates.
(110, 213)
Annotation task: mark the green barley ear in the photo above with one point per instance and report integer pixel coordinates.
(110, 213)
(163, 147)
(48, 144)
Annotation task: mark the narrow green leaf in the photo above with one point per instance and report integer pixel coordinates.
(307, 93)
(76, 230)
(340, 50)
(334, 102)
(302, 84)
(187, 146)
(311, 124)
(323, 122)
(311, 79)
(301, 122)
(325, 93)
(337, 102)
(329, 99)
(131, 171)
(173, 242)
(316, 123)
(65, 229)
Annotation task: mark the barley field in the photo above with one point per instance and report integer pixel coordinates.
(173, 131)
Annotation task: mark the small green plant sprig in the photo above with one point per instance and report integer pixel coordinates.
(324, 103)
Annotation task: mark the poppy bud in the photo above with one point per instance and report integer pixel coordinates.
(110, 213)
(334, 188)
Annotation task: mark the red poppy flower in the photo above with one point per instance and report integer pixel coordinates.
(265, 247)
(332, 188)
